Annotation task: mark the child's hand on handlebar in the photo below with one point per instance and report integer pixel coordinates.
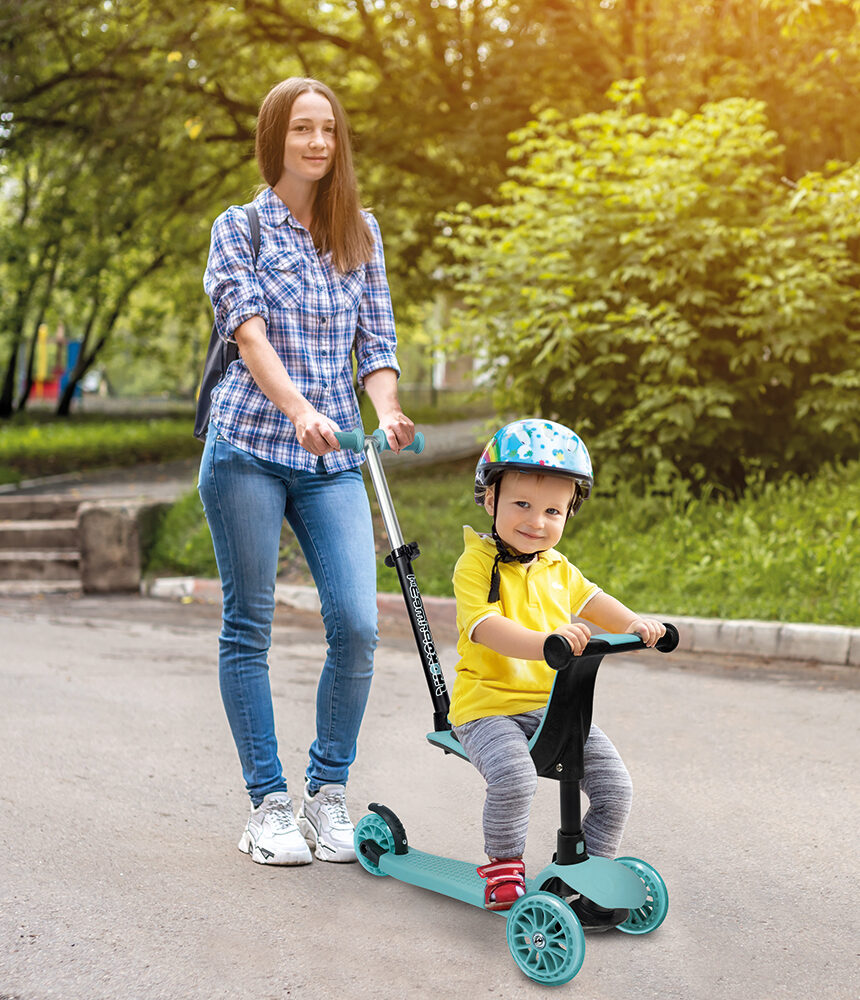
(576, 634)
(648, 629)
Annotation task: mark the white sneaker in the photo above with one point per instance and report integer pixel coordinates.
(271, 836)
(324, 821)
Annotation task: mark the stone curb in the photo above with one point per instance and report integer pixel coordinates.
(834, 645)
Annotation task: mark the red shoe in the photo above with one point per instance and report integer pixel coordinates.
(505, 882)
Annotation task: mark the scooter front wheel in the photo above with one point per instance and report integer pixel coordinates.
(372, 827)
(545, 938)
(647, 917)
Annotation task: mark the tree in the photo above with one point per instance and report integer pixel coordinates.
(156, 103)
(116, 186)
(650, 281)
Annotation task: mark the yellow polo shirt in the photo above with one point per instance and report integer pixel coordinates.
(541, 595)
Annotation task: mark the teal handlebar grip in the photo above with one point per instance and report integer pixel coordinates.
(354, 441)
(382, 442)
(351, 440)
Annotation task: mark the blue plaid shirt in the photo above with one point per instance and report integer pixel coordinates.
(315, 317)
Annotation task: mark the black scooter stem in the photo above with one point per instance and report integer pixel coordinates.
(401, 559)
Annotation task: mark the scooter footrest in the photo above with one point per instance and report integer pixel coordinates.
(608, 883)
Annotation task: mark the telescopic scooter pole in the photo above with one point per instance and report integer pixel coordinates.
(400, 558)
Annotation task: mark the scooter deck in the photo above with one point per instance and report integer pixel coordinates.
(608, 883)
(457, 879)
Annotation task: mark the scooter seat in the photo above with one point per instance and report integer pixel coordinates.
(448, 742)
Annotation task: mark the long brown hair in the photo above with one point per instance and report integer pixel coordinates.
(337, 223)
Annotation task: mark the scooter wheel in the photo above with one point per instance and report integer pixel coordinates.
(647, 917)
(372, 827)
(545, 938)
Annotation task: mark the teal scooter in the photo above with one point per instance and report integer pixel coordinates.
(544, 934)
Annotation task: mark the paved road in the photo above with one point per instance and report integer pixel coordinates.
(121, 804)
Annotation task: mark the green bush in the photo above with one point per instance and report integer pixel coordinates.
(651, 282)
(183, 545)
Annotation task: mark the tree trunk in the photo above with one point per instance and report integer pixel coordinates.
(85, 360)
(7, 395)
(16, 322)
(31, 353)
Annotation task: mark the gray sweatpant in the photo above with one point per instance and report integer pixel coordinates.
(498, 746)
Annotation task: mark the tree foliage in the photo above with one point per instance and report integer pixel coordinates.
(651, 281)
(127, 125)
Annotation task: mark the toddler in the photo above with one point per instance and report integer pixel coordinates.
(513, 589)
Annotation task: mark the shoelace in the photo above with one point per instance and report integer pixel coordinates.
(336, 804)
(281, 816)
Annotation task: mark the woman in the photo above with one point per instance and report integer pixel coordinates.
(317, 293)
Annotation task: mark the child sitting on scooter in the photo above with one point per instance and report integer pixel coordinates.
(513, 589)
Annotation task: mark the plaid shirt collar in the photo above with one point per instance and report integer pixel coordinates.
(273, 212)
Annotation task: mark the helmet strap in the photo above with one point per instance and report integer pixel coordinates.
(503, 552)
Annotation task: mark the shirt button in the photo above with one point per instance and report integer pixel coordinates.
(322, 320)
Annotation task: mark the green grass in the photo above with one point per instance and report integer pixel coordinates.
(35, 444)
(33, 447)
(784, 552)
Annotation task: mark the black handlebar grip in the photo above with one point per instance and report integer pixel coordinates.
(666, 643)
(557, 651)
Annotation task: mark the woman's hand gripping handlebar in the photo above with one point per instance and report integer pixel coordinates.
(354, 440)
(558, 653)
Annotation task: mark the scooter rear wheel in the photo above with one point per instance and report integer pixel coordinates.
(545, 938)
(372, 827)
(647, 917)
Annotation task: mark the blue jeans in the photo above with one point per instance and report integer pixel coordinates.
(246, 500)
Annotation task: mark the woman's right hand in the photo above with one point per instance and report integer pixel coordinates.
(315, 431)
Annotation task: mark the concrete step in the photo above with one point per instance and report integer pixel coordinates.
(44, 507)
(35, 534)
(26, 588)
(39, 564)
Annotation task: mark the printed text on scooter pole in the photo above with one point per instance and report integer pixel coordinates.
(423, 627)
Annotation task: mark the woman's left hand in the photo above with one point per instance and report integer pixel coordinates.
(399, 429)
(381, 386)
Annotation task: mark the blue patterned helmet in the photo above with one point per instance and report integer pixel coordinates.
(535, 446)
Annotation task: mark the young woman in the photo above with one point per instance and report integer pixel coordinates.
(317, 294)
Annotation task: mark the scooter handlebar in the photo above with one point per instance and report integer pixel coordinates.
(558, 654)
(354, 440)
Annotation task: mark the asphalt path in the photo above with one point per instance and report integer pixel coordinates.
(121, 804)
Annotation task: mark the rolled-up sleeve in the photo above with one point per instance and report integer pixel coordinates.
(230, 279)
(376, 336)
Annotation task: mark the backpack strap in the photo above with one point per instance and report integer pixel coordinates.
(254, 225)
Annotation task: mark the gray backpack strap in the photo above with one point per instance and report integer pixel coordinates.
(254, 224)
